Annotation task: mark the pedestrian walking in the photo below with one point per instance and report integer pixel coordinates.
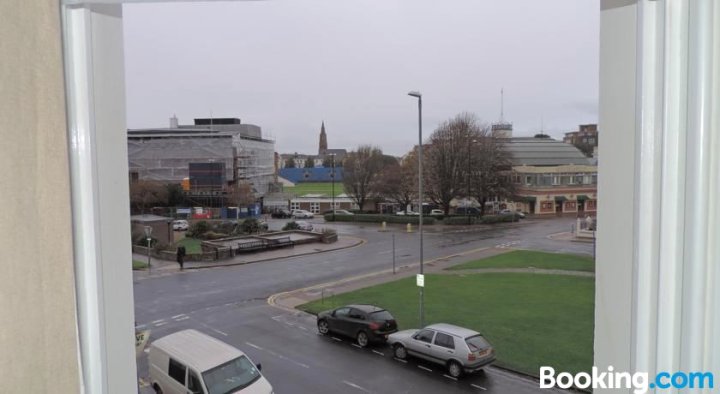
(181, 256)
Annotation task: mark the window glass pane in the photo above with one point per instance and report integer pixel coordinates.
(444, 340)
(425, 336)
(231, 376)
(177, 371)
(194, 383)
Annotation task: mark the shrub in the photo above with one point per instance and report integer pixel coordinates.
(250, 226)
(210, 235)
(372, 218)
(225, 227)
(291, 226)
(197, 229)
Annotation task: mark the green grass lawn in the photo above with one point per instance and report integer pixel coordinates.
(532, 320)
(526, 258)
(139, 265)
(192, 245)
(303, 188)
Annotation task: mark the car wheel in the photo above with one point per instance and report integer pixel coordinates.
(323, 327)
(362, 339)
(157, 389)
(400, 352)
(454, 369)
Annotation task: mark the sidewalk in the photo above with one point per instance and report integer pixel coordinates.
(568, 236)
(165, 267)
(291, 299)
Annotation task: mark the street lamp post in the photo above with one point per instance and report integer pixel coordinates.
(420, 200)
(469, 170)
(333, 184)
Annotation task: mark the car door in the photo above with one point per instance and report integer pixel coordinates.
(356, 321)
(420, 345)
(338, 320)
(443, 347)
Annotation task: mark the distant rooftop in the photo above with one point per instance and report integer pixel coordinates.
(543, 152)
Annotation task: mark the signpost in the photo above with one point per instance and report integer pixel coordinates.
(148, 232)
(420, 280)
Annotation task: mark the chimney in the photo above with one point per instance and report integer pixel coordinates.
(174, 122)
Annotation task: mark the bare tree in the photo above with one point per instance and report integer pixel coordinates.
(398, 181)
(309, 162)
(361, 170)
(290, 163)
(148, 193)
(490, 171)
(447, 167)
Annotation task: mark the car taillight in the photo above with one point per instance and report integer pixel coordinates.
(374, 325)
(471, 356)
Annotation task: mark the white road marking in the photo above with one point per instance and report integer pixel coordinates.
(402, 361)
(180, 315)
(182, 318)
(380, 353)
(353, 385)
(158, 321)
(356, 345)
(147, 350)
(160, 324)
(302, 328)
(252, 345)
(337, 339)
(219, 332)
(425, 368)
(479, 387)
(450, 377)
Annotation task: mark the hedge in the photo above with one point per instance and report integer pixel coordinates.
(367, 218)
(487, 219)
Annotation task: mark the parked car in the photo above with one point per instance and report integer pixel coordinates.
(281, 213)
(365, 323)
(517, 214)
(459, 349)
(303, 225)
(339, 212)
(302, 214)
(437, 212)
(189, 361)
(180, 225)
(408, 213)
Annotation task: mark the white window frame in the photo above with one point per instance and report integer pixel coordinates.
(315, 207)
(660, 78)
(294, 205)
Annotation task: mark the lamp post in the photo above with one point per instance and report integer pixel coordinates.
(333, 184)
(420, 200)
(469, 170)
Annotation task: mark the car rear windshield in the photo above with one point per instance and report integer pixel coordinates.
(381, 316)
(477, 343)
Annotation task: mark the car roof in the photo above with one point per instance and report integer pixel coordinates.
(453, 329)
(367, 308)
(199, 350)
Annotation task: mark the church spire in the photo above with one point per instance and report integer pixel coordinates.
(322, 149)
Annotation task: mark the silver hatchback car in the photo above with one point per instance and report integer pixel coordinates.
(457, 348)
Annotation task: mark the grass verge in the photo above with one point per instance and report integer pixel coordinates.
(527, 258)
(139, 265)
(532, 320)
(192, 245)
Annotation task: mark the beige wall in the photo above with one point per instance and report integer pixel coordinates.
(37, 320)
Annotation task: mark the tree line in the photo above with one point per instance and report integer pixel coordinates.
(461, 159)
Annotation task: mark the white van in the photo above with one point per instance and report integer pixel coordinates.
(190, 362)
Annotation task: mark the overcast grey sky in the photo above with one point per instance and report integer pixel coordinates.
(287, 65)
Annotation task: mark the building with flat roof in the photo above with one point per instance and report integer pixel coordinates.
(238, 152)
(551, 177)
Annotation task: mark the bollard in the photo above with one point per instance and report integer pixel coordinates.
(409, 227)
(383, 226)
